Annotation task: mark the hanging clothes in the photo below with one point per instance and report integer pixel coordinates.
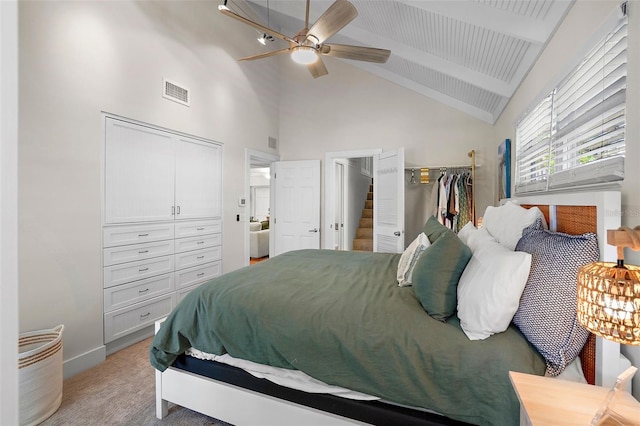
(452, 200)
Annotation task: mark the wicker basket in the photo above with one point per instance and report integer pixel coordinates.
(40, 374)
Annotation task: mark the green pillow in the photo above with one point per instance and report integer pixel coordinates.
(437, 272)
(433, 229)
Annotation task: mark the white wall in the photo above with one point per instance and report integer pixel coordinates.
(584, 17)
(8, 212)
(80, 58)
(352, 110)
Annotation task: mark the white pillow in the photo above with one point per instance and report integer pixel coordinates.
(506, 223)
(474, 237)
(409, 258)
(490, 287)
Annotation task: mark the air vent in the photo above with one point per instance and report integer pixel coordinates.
(175, 92)
(273, 142)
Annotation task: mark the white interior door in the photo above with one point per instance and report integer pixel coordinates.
(388, 202)
(296, 219)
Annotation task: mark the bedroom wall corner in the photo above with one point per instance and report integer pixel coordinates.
(79, 59)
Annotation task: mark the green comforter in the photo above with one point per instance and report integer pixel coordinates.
(341, 318)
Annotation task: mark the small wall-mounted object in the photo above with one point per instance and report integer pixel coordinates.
(242, 202)
(175, 92)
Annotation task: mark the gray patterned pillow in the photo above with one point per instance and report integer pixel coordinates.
(547, 311)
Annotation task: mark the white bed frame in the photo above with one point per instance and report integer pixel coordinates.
(240, 406)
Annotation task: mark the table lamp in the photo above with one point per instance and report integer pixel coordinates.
(609, 293)
(609, 306)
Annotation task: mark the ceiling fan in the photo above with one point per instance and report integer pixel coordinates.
(309, 45)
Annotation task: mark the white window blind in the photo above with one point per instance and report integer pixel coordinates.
(533, 136)
(581, 122)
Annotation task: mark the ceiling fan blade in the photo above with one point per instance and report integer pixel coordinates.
(228, 12)
(265, 55)
(333, 20)
(358, 53)
(317, 69)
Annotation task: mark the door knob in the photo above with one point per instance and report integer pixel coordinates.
(313, 230)
(397, 233)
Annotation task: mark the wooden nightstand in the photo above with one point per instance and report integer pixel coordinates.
(549, 401)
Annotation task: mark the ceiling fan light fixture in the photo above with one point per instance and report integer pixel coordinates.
(304, 55)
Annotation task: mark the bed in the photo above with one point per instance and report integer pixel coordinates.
(386, 342)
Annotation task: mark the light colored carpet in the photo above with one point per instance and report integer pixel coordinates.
(120, 391)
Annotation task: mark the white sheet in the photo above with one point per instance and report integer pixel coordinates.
(293, 379)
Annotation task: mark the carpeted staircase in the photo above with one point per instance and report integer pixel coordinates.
(364, 233)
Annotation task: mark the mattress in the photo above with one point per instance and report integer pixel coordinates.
(375, 412)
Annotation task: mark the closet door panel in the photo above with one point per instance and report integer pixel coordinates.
(198, 179)
(139, 173)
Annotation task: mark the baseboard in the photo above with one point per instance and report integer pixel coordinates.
(129, 339)
(83, 362)
(96, 356)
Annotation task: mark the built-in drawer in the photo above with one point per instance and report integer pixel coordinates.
(191, 276)
(124, 295)
(133, 252)
(198, 227)
(134, 234)
(124, 321)
(180, 294)
(198, 257)
(198, 242)
(133, 271)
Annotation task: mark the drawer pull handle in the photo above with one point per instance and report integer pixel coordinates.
(143, 291)
(200, 274)
(143, 251)
(199, 229)
(200, 257)
(143, 235)
(200, 242)
(143, 270)
(145, 316)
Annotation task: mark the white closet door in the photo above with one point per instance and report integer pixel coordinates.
(198, 179)
(139, 173)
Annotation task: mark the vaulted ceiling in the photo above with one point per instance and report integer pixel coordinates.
(468, 54)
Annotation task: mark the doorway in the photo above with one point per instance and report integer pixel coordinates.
(259, 204)
(340, 199)
(339, 240)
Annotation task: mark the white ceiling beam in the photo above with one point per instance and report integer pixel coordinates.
(246, 9)
(436, 63)
(522, 27)
(423, 90)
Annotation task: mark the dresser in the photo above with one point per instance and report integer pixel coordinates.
(162, 222)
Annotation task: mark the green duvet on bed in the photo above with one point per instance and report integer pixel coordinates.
(341, 318)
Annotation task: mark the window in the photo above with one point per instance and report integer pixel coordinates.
(576, 134)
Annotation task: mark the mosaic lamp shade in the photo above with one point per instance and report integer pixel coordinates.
(609, 293)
